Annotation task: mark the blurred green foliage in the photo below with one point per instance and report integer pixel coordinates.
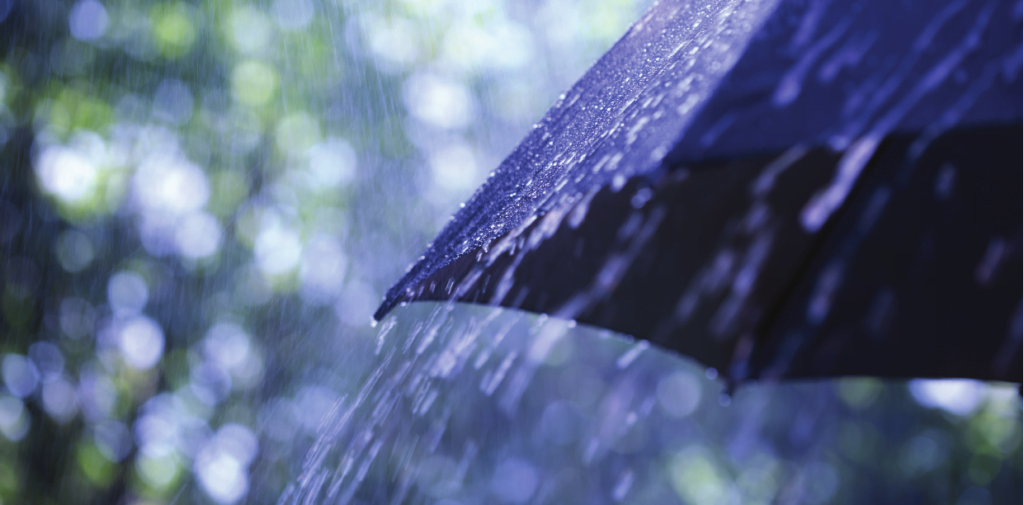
(196, 197)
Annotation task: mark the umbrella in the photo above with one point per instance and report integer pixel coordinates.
(777, 188)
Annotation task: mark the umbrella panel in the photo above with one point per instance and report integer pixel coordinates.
(920, 274)
(712, 261)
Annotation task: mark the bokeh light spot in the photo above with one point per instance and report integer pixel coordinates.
(60, 400)
(14, 419)
(48, 359)
(166, 183)
(141, 342)
(97, 468)
(74, 250)
(859, 393)
(679, 394)
(697, 478)
(311, 405)
(332, 162)
(88, 20)
(77, 317)
(227, 344)
(560, 423)
(127, 293)
(158, 472)
(277, 250)
(66, 174)
(956, 396)
(293, 14)
(221, 466)
(438, 101)
(112, 440)
(198, 235)
(20, 375)
(250, 31)
(514, 481)
(323, 270)
(393, 41)
(173, 30)
(253, 83)
(296, 133)
(173, 102)
(454, 169)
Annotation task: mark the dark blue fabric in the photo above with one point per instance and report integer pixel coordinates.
(693, 81)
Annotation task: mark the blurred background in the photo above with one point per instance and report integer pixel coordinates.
(202, 202)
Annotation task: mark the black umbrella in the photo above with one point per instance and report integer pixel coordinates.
(776, 188)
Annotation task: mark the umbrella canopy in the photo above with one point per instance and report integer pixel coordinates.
(778, 188)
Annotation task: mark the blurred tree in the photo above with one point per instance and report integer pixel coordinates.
(196, 197)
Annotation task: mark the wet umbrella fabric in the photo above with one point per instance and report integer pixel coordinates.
(779, 189)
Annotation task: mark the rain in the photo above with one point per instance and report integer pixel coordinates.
(203, 204)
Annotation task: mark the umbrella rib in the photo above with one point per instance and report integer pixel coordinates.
(786, 295)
